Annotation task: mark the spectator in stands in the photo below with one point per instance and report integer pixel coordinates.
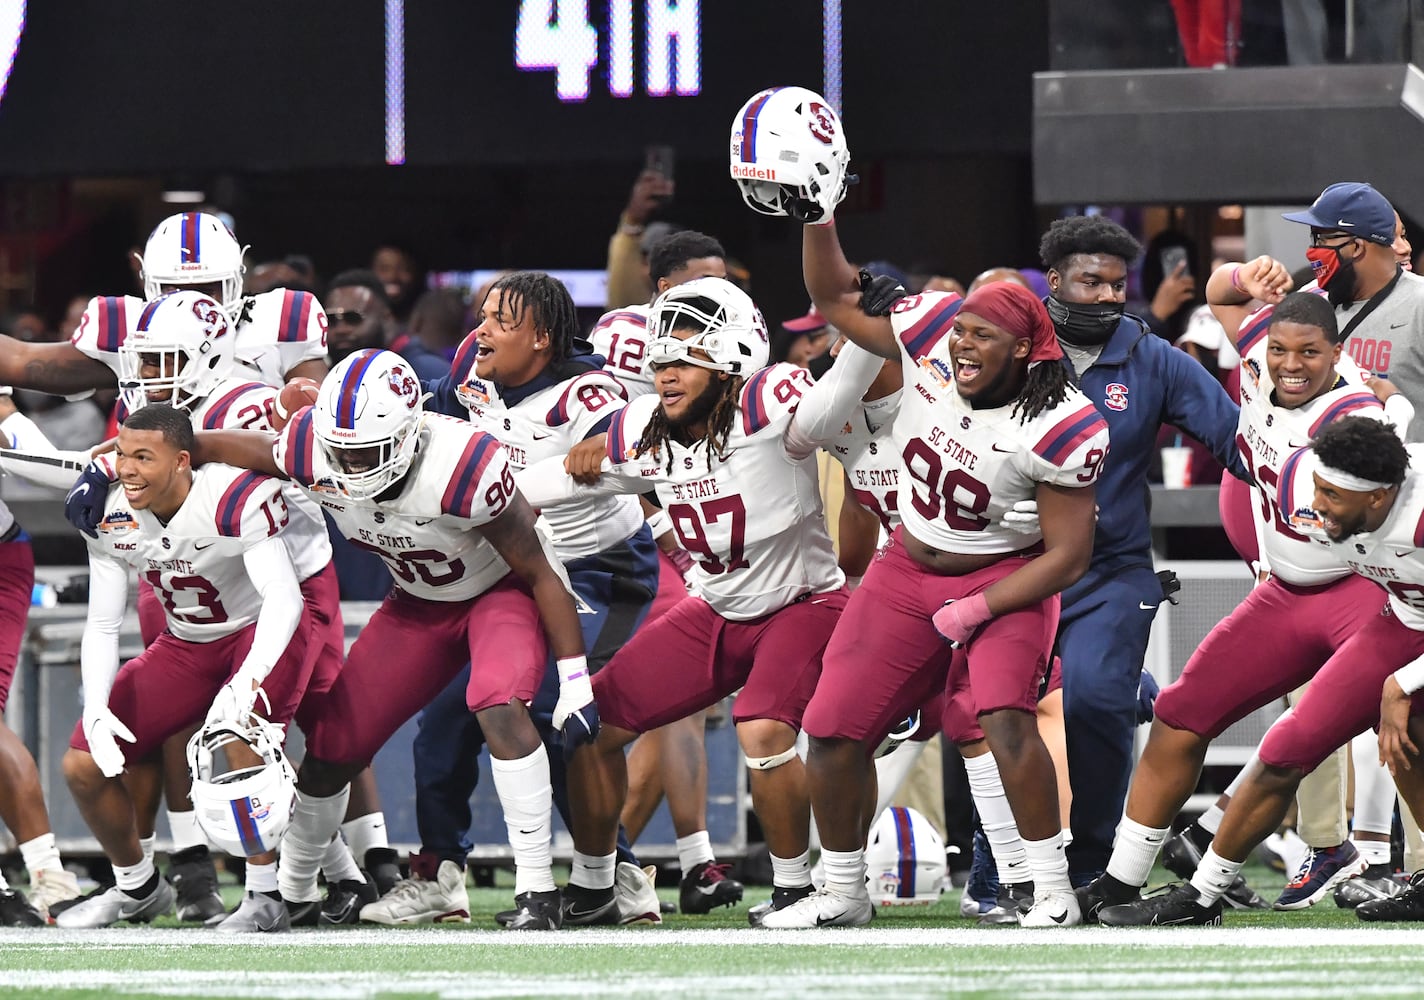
(400, 271)
(628, 282)
(359, 316)
(1168, 287)
(438, 321)
(998, 274)
(1378, 34)
(69, 426)
(801, 340)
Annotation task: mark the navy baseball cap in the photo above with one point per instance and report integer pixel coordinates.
(1351, 207)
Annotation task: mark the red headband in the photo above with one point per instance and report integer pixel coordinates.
(1014, 308)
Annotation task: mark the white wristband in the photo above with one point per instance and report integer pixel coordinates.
(571, 668)
(659, 523)
(1411, 676)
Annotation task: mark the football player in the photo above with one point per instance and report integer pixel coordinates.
(521, 377)
(1312, 603)
(211, 544)
(181, 353)
(670, 760)
(729, 446)
(436, 499)
(989, 418)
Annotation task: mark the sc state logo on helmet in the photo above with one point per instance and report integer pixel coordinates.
(821, 120)
(403, 384)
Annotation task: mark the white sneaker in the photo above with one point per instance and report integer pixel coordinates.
(110, 907)
(635, 895)
(52, 885)
(1054, 909)
(823, 908)
(416, 901)
(258, 914)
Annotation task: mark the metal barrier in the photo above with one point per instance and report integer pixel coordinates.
(45, 704)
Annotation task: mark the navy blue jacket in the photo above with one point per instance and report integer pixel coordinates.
(1139, 383)
(444, 391)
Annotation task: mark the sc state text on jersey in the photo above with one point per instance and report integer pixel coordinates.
(696, 490)
(941, 440)
(1265, 453)
(386, 541)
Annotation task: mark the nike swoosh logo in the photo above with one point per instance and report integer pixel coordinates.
(199, 548)
(822, 920)
(1058, 918)
(1396, 326)
(1005, 451)
(1147, 607)
(528, 832)
(1345, 225)
(1406, 552)
(542, 437)
(421, 524)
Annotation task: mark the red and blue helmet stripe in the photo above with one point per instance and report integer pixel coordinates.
(749, 124)
(191, 243)
(351, 386)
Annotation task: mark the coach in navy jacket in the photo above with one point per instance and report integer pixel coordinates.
(1138, 382)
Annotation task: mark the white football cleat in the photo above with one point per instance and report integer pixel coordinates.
(1054, 909)
(823, 908)
(50, 886)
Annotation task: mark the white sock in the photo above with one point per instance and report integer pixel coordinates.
(1210, 821)
(997, 819)
(365, 832)
(792, 873)
(131, 878)
(1135, 851)
(591, 871)
(338, 865)
(3, 884)
(185, 830)
(146, 843)
(1049, 865)
(693, 850)
(528, 801)
(845, 872)
(1214, 876)
(1375, 852)
(315, 821)
(40, 854)
(261, 878)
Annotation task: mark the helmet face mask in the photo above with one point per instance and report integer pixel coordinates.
(193, 250)
(190, 338)
(244, 788)
(729, 334)
(367, 421)
(789, 154)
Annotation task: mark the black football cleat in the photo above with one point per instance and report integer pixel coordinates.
(195, 885)
(1180, 906)
(1101, 892)
(344, 901)
(707, 887)
(536, 911)
(383, 869)
(1407, 905)
(16, 911)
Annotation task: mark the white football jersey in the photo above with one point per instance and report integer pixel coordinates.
(1393, 556)
(866, 448)
(279, 330)
(1267, 434)
(549, 422)
(459, 480)
(962, 468)
(753, 519)
(236, 404)
(621, 337)
(194, 562)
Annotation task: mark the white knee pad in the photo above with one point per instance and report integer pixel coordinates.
(775, 760)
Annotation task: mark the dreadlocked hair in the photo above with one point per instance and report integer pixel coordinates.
(547, 301)
(1046, 386)
(659, 431)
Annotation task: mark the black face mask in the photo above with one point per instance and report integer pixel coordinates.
(1084, 324)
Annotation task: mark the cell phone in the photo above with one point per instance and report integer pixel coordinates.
(660, 159)
(1173, 258)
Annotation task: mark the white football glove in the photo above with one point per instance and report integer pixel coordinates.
(575, 713)
(103, 730)
(1021, 517)
(235, 700)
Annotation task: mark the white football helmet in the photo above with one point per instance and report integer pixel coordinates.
(789, 154)
(244, 788)
(367, 421)
(731, 333)
(904, 860)
(193, 248)
(193, 339)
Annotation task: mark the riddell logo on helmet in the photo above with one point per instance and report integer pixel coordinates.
(751, 172)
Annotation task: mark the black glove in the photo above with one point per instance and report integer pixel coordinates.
(878, 294)
(580, 728)
(1170, 585)
(84, 506)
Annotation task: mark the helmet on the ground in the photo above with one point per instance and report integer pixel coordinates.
(244, 788)
(904, 860)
